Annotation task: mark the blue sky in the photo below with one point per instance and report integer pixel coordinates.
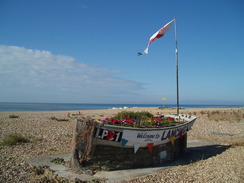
(85, 51)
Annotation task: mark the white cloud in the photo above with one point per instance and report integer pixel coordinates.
(41, 70)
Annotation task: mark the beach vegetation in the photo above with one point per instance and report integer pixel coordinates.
(44, 174)
(164, 107)
(237, 143)
(232, 116)
(14, 139)
(13, 116)
(58, 161)
(58, 119)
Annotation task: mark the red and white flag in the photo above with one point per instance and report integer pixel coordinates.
(160, 33)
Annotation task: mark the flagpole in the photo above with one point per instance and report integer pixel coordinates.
(177, 75)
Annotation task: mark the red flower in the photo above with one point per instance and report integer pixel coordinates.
(159, 120)
(125, 117)
(130, 121)
(114, 121)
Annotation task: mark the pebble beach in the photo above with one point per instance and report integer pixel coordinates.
(46, 136)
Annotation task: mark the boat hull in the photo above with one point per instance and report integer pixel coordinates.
(129, 137)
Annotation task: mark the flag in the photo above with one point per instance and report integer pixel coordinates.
(172, 140)
(160, 33)
(136, 147)
(123, 142)
(110, 135)
(150, 147)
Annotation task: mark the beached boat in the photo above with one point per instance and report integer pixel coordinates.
(98, 145)
(129, 137)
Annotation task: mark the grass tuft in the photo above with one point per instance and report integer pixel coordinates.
(13, 139)
(57, 119)
(58, 161)
(13, 116)
(236, 144)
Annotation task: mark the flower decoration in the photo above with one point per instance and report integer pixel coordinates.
(140, 120)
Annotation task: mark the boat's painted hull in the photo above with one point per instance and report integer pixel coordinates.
(130, 137)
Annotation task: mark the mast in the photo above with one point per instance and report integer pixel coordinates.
(177, 69)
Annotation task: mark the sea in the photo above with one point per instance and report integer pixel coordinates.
(20, 106)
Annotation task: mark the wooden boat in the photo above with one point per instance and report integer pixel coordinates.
(128, 137)
(127, 147)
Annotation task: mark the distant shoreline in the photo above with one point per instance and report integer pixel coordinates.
(109, 112)
(22, 107)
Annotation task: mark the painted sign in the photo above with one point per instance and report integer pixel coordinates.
(141, 138)
(108, 135)
(156, 137)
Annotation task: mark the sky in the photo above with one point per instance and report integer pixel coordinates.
(85, 51)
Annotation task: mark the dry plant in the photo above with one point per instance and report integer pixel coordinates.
(14, 139)
(231, 116)
(13, 116)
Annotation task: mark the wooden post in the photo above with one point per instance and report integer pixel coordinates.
(183, 144)
(81, 143)
(74, 161)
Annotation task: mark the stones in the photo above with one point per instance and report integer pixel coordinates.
(224, 167)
